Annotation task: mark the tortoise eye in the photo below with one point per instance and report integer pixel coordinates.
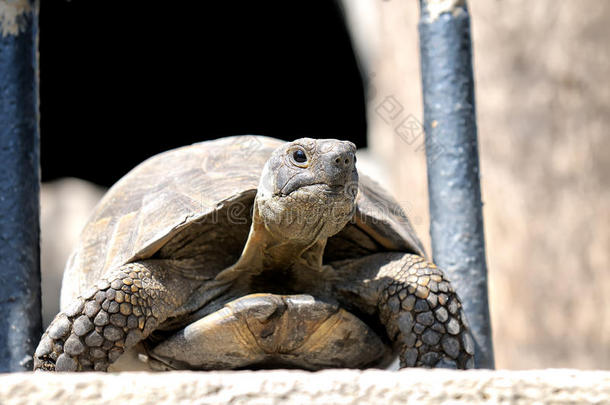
(299, 156)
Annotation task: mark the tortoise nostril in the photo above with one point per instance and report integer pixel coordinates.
(343, 160)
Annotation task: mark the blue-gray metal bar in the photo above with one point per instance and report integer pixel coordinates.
(20, 321)
(456, 224)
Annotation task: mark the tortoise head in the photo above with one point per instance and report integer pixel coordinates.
(308, 189)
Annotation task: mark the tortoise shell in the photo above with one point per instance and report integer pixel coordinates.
(182, 191)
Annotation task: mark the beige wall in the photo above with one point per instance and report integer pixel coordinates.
(65, 206)
(543, 101)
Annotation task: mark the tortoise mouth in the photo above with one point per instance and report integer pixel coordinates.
(310, 212)
(328, 189)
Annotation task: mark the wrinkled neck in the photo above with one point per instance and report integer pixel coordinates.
(266, 251)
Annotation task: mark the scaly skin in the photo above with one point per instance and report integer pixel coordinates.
(421, 312)
(424, 317)
(111, 317)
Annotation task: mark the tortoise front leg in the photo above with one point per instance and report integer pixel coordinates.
(110, 317)
(415, 302)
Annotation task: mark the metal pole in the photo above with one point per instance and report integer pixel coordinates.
(456, 224)
(20, 321)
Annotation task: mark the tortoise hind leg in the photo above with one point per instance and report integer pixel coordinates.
(415, 302)
(114, 315)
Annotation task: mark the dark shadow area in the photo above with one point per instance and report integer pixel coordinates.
(121, 81)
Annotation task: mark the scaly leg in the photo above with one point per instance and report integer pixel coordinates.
(415, 302)
(110, 317)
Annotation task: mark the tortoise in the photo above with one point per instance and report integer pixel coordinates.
(250, 252)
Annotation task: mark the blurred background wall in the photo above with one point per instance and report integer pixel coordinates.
(543, 102)
(543, 99)
(65, 205)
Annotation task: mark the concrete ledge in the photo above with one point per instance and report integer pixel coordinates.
(298, 387)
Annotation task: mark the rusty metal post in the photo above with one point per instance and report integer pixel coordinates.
(20, 320)
(456, 220)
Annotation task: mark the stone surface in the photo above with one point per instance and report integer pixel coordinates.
(298, 387)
